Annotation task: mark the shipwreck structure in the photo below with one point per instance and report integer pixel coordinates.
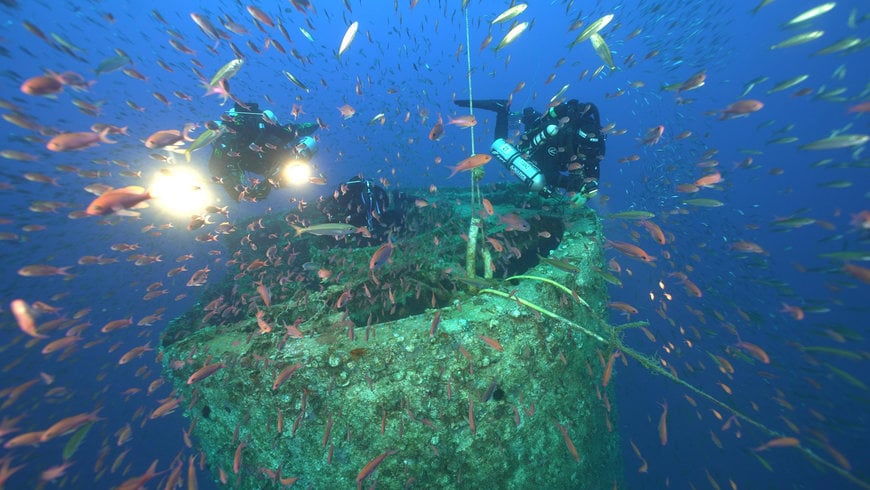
(309, 365)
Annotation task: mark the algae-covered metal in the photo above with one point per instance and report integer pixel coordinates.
(498, 396)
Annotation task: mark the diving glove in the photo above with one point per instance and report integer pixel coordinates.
(589, 189)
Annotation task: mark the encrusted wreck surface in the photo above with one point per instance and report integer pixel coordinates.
(405, 374)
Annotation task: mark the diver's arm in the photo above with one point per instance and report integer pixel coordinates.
(591, 145)
(583, 180)
(572, 182)
(567, 109)
(302, 129)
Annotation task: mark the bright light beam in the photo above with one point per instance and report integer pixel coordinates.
(180, 191)
(297, 172)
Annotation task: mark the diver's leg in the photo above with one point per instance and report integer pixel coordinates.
(501, 124)
(499, 106)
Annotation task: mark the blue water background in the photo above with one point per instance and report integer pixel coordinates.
(415, 53)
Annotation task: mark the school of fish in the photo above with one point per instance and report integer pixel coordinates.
(701, 227)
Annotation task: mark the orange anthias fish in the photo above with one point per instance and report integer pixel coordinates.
(471, 162)
(653, 135)
(139, 481)
(744, 246)
(265, 294)
(655, 231)
(663, 424)
(260, 16)
(487, 206)
(858, 272)
(571, 447)
(370, 467)
(204, 372)
(463, 121)
(381, 255)
(608, 369)
(264, 326)
(284, 374)
(795, 312)
(24, 317)
(78, 140)
(514, 222)
(755, 351)
(495, 344)
(695, 81)
(163, 138)
(623, 307)
(862, 107)
(43, 85)
(42, 270)
(437, 130)
(119, 201)
(55, 472)
(347, 111)
(779, 442)
(631, 250)
(709, 180)
(741, 108)
(69, 424)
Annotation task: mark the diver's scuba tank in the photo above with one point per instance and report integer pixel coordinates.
(306, 147)
(544, 135)
(525, 170)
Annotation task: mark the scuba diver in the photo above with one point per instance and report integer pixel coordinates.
(561, 148)
(362, 203)
(254, 142)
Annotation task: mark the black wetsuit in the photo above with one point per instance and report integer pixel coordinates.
(361, 202)
(571, 158)
(252, 144)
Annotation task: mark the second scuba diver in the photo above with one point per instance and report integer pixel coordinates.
(362, 203)
(254, 142)
(561, 148)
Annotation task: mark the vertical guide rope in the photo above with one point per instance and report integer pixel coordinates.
(468, 65)
(473, 226)
(474, 188)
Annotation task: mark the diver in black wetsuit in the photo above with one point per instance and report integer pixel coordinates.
(361, 202)
(561, 148)
(253, 141)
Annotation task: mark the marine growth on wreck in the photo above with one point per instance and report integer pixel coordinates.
(308, 366)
